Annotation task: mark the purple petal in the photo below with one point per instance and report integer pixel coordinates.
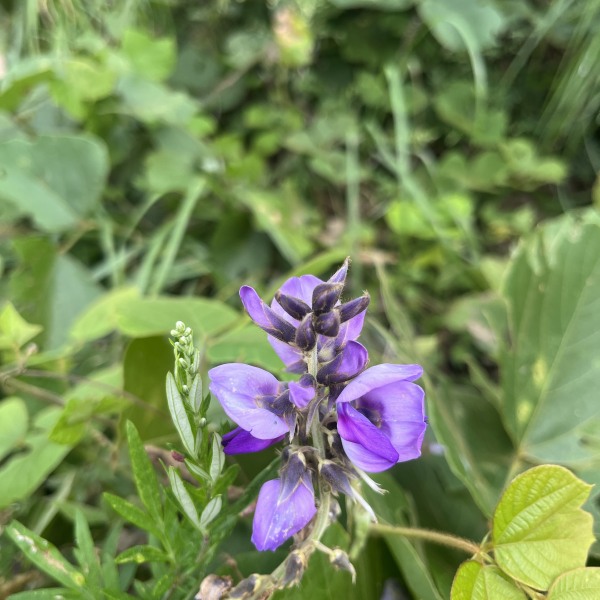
(239, 441)
(365, 445)
(301, 392)
(376, 377)
(288, 355)
(350, 330)
(275, 522)
(265, 317)
(400, 407)
(301, 287)
(240, 389)
(350, 361)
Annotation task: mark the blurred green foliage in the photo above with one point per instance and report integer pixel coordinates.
(157, 154)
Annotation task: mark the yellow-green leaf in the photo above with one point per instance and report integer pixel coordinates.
(474, 581)
(578, 584)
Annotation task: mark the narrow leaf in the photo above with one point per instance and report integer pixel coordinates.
(86, 554)
(184, 498)
(211, 511)
(130, 512)
(217, 459)
(179, 415)
(143, 472)
(196, 394)
(45, 556)
(141, 554)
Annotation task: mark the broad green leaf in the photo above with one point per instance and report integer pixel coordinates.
(183, 497)
(474, 581)
(539, 530)
(23, 473)
(143, 473)
(13, 424)
(55, 180)
(142, 554)
(145, 317)
(551, 371)
(179, 416)
(45, 556)
(132, 513)
(50, 288)
(22, 77)
(579, 584)
(14, 330)
(150, 57)
(451, 21)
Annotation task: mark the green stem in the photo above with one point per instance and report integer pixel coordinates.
(445, 539)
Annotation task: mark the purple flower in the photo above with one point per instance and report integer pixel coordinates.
(253, 399)
(277, 518)
(381, 418)
(239, 441)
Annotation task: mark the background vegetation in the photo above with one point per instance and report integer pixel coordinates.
(156, 155)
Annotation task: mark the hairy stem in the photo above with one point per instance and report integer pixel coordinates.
(445, 539)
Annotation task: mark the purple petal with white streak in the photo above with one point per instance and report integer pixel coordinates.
(275, 522)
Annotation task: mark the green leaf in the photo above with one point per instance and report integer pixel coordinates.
(141, 554)
(474, 581)
(132, 513)
(13, 424)
(14, 330)
(211, 511)
(550, 372)
(55, 180)
(217, 461)
(150, 57)
(539, 530)
(86, 553)
(47, 594)
(50, 288)
(179, 416)
(143, 473)
(23, 473)
(183, 497)
(45, 556)
(579, 584)
(451, 21)
(125, 311)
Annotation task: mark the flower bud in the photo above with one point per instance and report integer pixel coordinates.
(350, 360)
(340, 275)
(291, 473)
(293, 306)
(295, 565)
(327, 324)
(336, 477)
(325, 297)
(306, 338)
(340, 560)
(348, 310)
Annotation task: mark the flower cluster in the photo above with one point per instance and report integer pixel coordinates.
(341, 419)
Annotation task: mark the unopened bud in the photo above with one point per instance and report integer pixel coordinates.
(348, 310)
(340, 275)
(180, 326)
(325, 297)
(177, 456)
(336, 477)
(340, 560)
(293, 306)
(306, 338)
(295, 565)
(327, 324)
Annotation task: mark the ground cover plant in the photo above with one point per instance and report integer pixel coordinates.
(156, 157)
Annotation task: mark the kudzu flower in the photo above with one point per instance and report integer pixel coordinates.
(365, 419)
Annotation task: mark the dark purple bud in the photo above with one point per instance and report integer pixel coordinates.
(265, 317)
(340, 560)
(327, 324)
(348, 363)
(325, 297)
(306, 338)
(348, 310)
(291, 474)
(295, 565)
(293, 306)
(177, 456)
(340, 275)
(336, 477)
